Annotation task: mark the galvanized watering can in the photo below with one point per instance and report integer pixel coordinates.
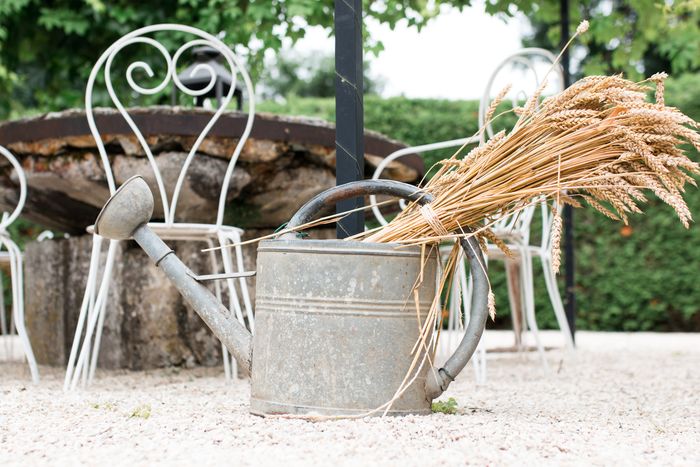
(336, 321)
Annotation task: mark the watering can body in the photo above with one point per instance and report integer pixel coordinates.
(337, 322)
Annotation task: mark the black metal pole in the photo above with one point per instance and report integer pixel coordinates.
(349, 132)
(570, 296)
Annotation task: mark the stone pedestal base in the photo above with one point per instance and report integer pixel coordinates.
(147, 324)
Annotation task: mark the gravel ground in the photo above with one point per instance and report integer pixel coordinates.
(624, 399)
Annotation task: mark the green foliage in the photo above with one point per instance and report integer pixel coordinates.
(683, 92)
(48, 48)
(413, 121)
(637, 37)
(448, 407)
(141, 411)
(316, 107)
(639, 278)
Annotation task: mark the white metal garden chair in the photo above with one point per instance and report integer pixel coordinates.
(508, 228)
(12, 257)
(84, 352)
(515, 230)
(517, 237)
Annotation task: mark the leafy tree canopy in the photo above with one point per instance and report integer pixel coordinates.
(637, 37)
(48, 47)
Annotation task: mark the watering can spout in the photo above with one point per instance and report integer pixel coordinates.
(126, 215)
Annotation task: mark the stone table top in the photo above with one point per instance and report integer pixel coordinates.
(285, 161)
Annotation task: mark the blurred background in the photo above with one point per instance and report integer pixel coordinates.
(425, 67)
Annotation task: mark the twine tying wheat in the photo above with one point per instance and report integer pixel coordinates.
(433, 220)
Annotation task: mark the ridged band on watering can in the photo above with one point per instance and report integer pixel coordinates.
(335, 323)
(440, 378)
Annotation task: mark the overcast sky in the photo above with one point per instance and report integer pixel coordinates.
(450, 58)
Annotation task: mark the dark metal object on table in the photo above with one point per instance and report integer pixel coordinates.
(325, 309)
(349, 159)
(569, 259)
(197, 76)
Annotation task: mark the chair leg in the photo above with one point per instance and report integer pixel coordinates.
(463, 298)
(217, 289)
(17, 271)
(88, 356)
(457, 311)
(234, 304)
(3, 317)
(88, 370)
(529, 303)
(454, 316)
(444, 342)
(555, 298)
(480, 355)
(91, 311)
(448, 336)
(86, 304)
(513, 282)
(4, 331)
(98, 339)
(235, 238)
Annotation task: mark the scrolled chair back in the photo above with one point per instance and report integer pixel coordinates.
(526, 60)
(144, 36)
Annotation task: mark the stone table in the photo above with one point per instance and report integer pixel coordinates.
(285, 162)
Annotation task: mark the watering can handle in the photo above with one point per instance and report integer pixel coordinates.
(354, 189)
(438, 379)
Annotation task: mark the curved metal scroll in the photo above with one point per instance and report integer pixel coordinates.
(140, 36)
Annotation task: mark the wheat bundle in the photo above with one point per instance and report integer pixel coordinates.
(599, 141)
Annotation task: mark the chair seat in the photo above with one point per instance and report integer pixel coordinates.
(185, 231)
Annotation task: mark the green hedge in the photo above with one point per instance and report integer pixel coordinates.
(413, 121)
(639, 278)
